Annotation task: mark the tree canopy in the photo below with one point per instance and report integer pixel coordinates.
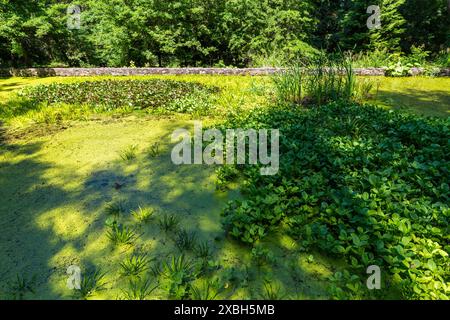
(210, 32)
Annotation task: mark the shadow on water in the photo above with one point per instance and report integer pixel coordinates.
(25, 195)
(424, 102)
(48, 226)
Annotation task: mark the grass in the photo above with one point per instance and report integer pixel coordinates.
(179, 272)
(143, 214)
(203, 250)
(139, 290)
(121, 235)
(185, 241)
(168, 222)
(154, 150)
(177, 265)
(156, 270)
(129, 153)
(271, 292)
(134, 265)
(204, 292)
(319, 81)
(116, 208)
(20, 287)
(91, 283)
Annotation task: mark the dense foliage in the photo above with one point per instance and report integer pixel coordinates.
(359, 182)
(210, 32)
(154, 94)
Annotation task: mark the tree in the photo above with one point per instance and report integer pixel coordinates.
(427, 23)
(208, 32)
(392, 26)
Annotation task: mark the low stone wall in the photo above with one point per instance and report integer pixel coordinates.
(66, 72)
(40, 72)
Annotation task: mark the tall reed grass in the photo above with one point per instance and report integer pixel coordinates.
(320, 80)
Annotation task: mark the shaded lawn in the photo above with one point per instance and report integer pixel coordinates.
(421, 95)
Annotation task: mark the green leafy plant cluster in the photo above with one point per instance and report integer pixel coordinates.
(399, 69)
(91, 282)
(179, 272)
(357, 182)
(134, 265)
(109, 95)
(262, 256)
(119, 234)
(143, 214)
(402, 65)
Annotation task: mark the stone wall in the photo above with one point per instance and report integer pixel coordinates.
(48, 72)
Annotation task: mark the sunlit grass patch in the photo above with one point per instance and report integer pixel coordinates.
(129, 153)
(143, 214)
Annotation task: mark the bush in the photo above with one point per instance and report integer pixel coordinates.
(443, 59)
(108, 95)
(399, 70)
(418, 56)
(374, 58)
(355, 181)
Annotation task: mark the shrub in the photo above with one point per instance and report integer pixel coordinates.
(374, 58)
(443, 59)
(418, 56)
(399, 70)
